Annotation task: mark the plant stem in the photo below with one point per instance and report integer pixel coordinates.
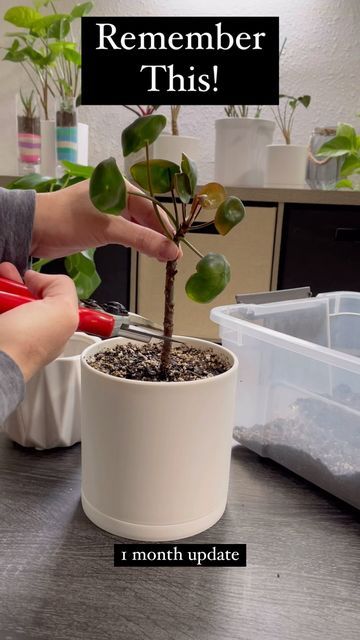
(191, 246)
(131, 109)
(175, 208)
(175, 109)
(159, 204)
(168, 324)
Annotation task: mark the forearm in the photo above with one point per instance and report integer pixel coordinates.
(16, 224)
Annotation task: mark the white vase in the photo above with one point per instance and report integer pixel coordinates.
(156, 455)
(240, 145)
(167, 147)
(50, 414)
(286, 166)
(48, 146)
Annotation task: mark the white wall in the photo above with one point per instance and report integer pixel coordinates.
(322, 59)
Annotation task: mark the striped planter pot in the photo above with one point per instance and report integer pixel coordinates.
(29, 145)
(67, 143)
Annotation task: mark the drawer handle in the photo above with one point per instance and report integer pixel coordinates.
(347, 234)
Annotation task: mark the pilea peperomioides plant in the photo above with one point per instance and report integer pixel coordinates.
(108, 193)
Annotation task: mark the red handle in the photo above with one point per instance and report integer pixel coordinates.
(13, 294)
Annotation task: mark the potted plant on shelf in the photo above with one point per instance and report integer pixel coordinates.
(157, 419)
(28, 133)
(344, 146)
(50, 57)
(168, 146)
(240, 144)
(286, 163)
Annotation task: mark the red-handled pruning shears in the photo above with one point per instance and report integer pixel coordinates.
(94, 321)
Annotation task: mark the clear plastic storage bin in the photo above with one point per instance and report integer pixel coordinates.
(298, 391)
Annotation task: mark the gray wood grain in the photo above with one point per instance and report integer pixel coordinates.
(58, 581)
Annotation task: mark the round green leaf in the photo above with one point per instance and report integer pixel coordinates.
(143, 130)
(182, 187)
(211, 277)
(213, 194)
(228, 214)
(107, 187)
(161, 172)
(189, 168)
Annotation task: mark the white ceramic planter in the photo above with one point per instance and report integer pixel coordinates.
(50, 414)
(156, 455)
(167, 147)
(48, 146)
(286, 165)
(240, 145)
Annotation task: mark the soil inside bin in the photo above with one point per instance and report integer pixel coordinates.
(320, 442)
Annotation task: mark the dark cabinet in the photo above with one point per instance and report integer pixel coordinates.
(320, 247)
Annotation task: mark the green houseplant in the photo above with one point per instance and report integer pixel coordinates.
(108, 193)
(346, 146)
(156, 446)
(46, 49)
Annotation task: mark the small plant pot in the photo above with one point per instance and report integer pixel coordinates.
(240, 146)
(50, 414)
(29, 144)
(156, 455)
(48, 146)
(286, 166)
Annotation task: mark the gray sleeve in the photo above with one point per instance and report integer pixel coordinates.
(17, 209)
(12, 386)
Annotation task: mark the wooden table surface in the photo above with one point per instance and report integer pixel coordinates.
(58, 582)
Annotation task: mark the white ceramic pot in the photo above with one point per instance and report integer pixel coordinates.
(48, 146)
(286, 165)
(167, 147)
(50, 414)
(240, 145)
(156, 455)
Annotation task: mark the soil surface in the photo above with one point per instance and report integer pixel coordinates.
(28, 125)
(142, 362)
(66, 119)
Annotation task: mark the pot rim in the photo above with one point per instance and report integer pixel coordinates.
(289, 146)
(252, 119)
(82, 337)
(178, 137)
(116, 380)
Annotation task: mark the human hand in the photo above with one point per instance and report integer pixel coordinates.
(35, 333)
(66, 222)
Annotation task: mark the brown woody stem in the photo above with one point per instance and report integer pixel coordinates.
(168, 317)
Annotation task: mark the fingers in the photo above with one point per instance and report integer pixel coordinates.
(7, 270)
(49, 286)
(144, 240)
